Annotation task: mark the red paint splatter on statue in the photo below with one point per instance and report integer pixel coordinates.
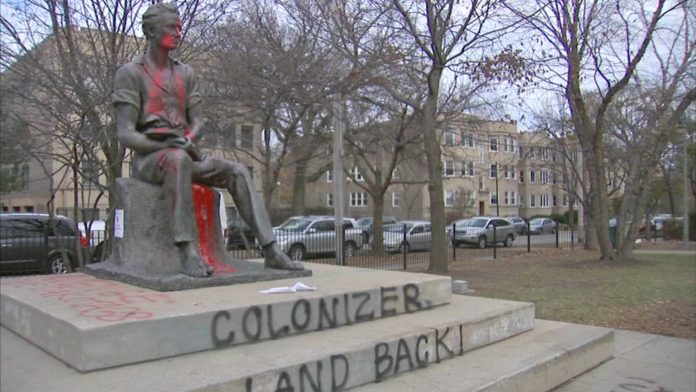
(208, 237)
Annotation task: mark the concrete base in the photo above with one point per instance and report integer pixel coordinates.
(404, 331)
(343, 357)
(535, 361)
(92, 323)
(245, 272)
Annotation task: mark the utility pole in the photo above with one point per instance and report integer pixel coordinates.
(686, 187)
(338, 124)
(497, 196)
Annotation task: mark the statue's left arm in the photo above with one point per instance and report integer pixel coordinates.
(194, 108)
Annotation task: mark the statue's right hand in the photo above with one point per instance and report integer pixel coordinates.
(179, 142)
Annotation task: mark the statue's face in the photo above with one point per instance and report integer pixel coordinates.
(168, 34)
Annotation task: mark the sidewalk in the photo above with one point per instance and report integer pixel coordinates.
(642, 362)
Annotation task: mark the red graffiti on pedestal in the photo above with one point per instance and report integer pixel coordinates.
(102, 300)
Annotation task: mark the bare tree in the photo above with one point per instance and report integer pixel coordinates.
(278, 70)
(422, 52)
(386, 143)
(596, 46)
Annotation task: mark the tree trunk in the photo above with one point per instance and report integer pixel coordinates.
(438, 250)
(590, 233)
(378, 224)
(298, 189)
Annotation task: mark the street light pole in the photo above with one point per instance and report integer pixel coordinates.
(338, 124)
(497, 196)
(685, 229)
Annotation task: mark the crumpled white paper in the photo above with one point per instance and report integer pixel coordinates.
(299, 286)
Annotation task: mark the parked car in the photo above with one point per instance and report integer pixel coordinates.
(542, 225)
(300, 237)
(97, 231)
(479, 231)
(367, 225)
(30, 243)
(238, 235)
(405, 236)
(519, 223)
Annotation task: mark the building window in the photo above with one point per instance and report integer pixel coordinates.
(396, 199)
(251, 171)
(449, 198)
(14, 178)
(494, 170)
(467, 168)
(232, 136)
(554, 200)
(565, 200)
(521, 152)
(512, 198)
(90, 174)
(467, 140)
(532, 201)
(89, 214)
(544, 200)
(513, 170)
(493, 144)
(506, 200)
(395, 173)
(532, 176)
(494, 198)
(358, 199)
(449, 168)
(329, 176)
(512, 145)
(521, 175)
(449, 138)
(247, 136)
(329, 199)
(553, 178)
(544, 176)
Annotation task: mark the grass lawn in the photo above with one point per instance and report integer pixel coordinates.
(653, 293)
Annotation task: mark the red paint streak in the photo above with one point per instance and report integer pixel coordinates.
(155, 99)
(103, 300)
(209, 235)
(180, 94)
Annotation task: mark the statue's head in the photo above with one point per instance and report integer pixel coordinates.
(157, 16)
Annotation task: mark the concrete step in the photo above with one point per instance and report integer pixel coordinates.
(332, 359)
(535, 361)
(92, 324)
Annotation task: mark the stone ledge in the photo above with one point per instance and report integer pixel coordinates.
(347, 357)
(92, 323)
(245, 272)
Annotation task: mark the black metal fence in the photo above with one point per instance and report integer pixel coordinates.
(402, 251)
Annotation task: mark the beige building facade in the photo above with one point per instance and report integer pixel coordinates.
(489, 168)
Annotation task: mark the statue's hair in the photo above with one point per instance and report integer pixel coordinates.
(155, 13)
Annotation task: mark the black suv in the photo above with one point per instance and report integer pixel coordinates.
(29, 243)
